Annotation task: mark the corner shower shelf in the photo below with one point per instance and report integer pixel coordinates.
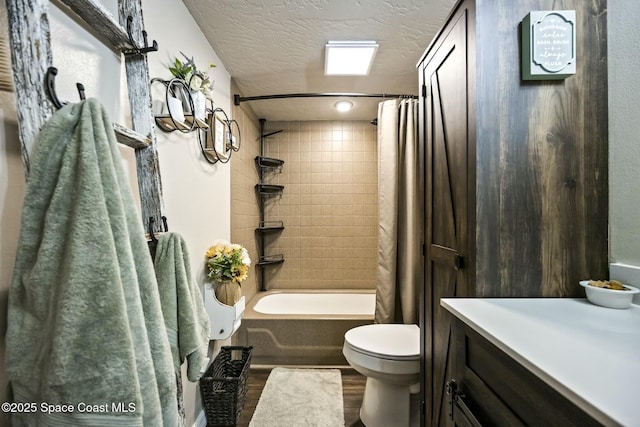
(267, 229)
(269, 189)
(267, 226)
(270, 260)
(269, 163)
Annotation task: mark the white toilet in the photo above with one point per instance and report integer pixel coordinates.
(389, 356)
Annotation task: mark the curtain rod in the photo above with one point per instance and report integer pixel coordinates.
(237, 99)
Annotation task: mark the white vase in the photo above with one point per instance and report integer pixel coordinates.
(199, 105)
(175, 109)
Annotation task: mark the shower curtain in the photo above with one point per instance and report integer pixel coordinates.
(400, 211)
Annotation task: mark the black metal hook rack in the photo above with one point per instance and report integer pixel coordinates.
(137, 50)
(153, 241)
(52, 72)
(150, 223)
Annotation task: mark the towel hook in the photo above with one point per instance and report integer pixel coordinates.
(52, 72)
(150, 230)
(152, 221)
(137, 49)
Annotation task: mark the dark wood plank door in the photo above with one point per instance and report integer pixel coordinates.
(446, 105)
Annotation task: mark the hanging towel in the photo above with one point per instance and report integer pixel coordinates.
(85, 325)
(185, 318)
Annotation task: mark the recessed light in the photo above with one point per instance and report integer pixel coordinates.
(343, 106)
(349, 58)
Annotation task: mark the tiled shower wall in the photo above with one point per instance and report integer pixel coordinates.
(328, 206)
(244, 206)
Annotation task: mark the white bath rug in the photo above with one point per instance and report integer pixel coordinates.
(300, 397)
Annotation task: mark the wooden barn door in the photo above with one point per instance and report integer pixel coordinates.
(445, 78)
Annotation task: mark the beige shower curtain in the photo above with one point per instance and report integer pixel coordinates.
(400, 211)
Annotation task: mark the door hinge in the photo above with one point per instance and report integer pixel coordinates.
(452, 392)
(424, 91)
(424, 249)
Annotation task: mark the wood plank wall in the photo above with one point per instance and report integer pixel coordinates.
(542, 162)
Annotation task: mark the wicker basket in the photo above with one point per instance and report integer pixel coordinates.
(224, 386)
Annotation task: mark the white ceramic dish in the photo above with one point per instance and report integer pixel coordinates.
(609, 297)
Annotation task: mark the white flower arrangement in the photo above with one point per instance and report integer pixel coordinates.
(197, 80)
(227, 261)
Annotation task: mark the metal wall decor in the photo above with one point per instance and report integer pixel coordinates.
(222, 137)
(217, 134)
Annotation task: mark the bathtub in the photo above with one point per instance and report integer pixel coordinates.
(303, 327)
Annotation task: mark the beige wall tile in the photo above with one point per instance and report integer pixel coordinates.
(244, 176)
(329, 205)
(329, 175)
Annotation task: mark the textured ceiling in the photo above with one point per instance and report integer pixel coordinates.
(277, 47)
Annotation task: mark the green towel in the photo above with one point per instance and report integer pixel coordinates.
(85, 325)
(182, 306)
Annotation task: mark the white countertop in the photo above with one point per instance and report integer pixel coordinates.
(590, 354)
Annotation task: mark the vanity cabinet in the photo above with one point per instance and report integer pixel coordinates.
(542, 362)
(516, 197)
(489, 388)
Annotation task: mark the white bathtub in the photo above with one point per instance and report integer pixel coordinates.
(312, 303)
(303, 327)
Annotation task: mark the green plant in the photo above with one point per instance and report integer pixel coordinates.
(195, 79)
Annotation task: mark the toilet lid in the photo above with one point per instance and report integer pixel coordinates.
(390, 341)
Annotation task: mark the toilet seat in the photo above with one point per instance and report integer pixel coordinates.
(385, 341)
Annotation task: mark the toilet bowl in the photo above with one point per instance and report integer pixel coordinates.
(389, 356)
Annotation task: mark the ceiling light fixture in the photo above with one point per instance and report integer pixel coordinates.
(349, 58)
(343, 106)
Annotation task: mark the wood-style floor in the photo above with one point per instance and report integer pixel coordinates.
(352, 390)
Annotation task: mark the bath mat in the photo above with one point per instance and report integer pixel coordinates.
(300, 397)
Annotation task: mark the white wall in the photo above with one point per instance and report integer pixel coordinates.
(196, 194)
(624, 132)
